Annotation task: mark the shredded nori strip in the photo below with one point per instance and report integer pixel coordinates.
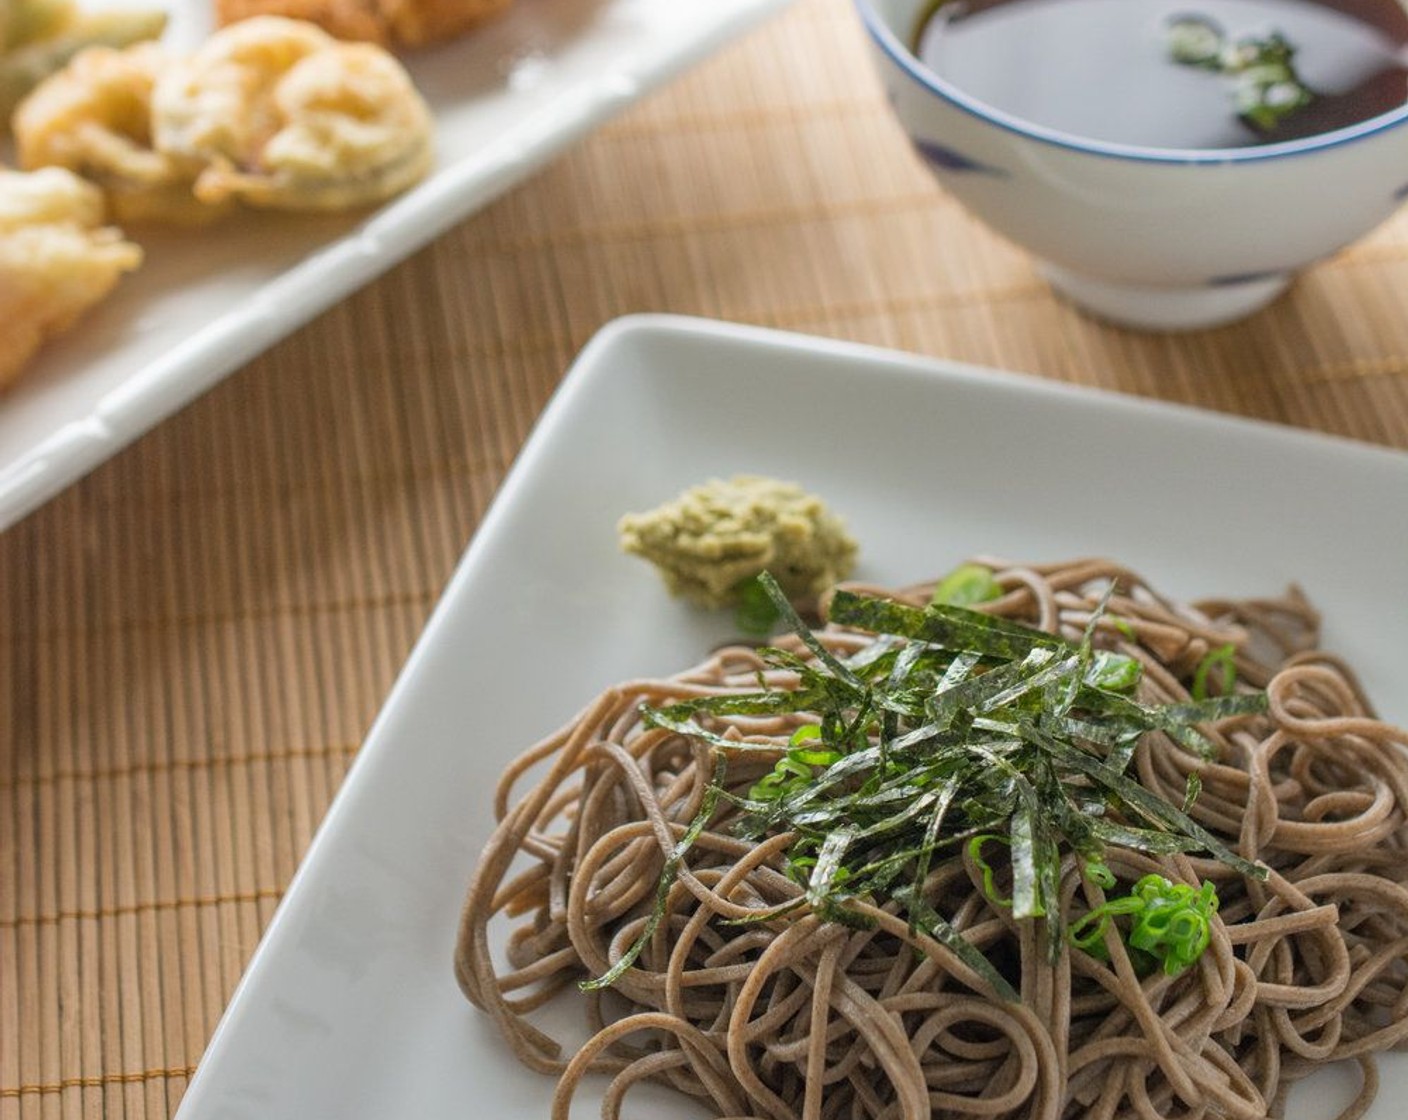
(668, 874)
(954, 724)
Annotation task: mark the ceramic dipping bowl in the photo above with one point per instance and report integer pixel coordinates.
(1163, 239)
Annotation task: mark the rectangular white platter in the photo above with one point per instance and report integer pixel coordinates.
(506, 98)
(350, 1008)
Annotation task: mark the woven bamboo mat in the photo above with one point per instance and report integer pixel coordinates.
(199, 634)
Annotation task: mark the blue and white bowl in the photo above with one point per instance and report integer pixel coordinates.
(1164, 239)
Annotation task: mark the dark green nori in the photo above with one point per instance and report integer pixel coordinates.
(971, 725)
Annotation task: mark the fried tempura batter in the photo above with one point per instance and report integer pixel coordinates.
(357, 20)
(94, 117)
(56, 259)
(24, 21)
(281, 115)
(43, 35)
(405, 23)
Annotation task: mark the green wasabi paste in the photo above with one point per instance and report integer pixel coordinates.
(714, 538)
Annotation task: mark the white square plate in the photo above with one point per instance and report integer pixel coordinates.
(350, 1007)
(505, 97)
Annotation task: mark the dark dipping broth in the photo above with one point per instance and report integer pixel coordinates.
(1104, 69)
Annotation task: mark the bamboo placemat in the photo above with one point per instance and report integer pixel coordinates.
(199, 634)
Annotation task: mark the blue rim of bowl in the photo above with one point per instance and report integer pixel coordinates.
(898, 53)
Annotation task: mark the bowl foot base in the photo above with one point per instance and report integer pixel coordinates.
(1149, 307)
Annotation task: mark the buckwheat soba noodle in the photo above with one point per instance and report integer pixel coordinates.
(981, 939)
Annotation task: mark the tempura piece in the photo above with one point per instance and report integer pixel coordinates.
(402, 23)
(24, 21)
(357, 20)
(283, 116)
(416, 23)
(56, 259)
(94, 118)
(33, 58)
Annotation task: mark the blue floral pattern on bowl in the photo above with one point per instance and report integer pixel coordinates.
(943, 158)
(1231, 280)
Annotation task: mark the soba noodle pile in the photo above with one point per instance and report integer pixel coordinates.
(803, 1017)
